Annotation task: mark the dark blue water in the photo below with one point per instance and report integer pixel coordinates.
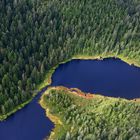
(30, 123)
(110, 77)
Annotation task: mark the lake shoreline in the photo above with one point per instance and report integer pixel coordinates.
(48, 78)
(56, 121)
(19, 107)
(76, 92)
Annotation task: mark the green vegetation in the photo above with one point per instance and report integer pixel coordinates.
(4, 116)
(37, 35)
(90, 117)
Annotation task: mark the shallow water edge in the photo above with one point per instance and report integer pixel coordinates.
(48, 78)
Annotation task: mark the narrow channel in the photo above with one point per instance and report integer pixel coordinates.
(109, 77)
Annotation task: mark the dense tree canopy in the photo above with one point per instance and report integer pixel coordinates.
(35, 35)
(92, 117)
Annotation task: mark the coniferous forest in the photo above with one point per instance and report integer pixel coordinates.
(90, 117)
(36, 35)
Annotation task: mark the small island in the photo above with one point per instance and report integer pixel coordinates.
(84, 116)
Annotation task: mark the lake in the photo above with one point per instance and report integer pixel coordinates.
(29, 123)
(109, 77)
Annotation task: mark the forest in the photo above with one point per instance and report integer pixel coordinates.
(36, 35)
(91, 117)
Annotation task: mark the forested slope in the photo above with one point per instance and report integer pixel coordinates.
(91, 117)
(35, 35)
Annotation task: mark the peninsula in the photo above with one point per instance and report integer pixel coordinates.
(79, 115)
